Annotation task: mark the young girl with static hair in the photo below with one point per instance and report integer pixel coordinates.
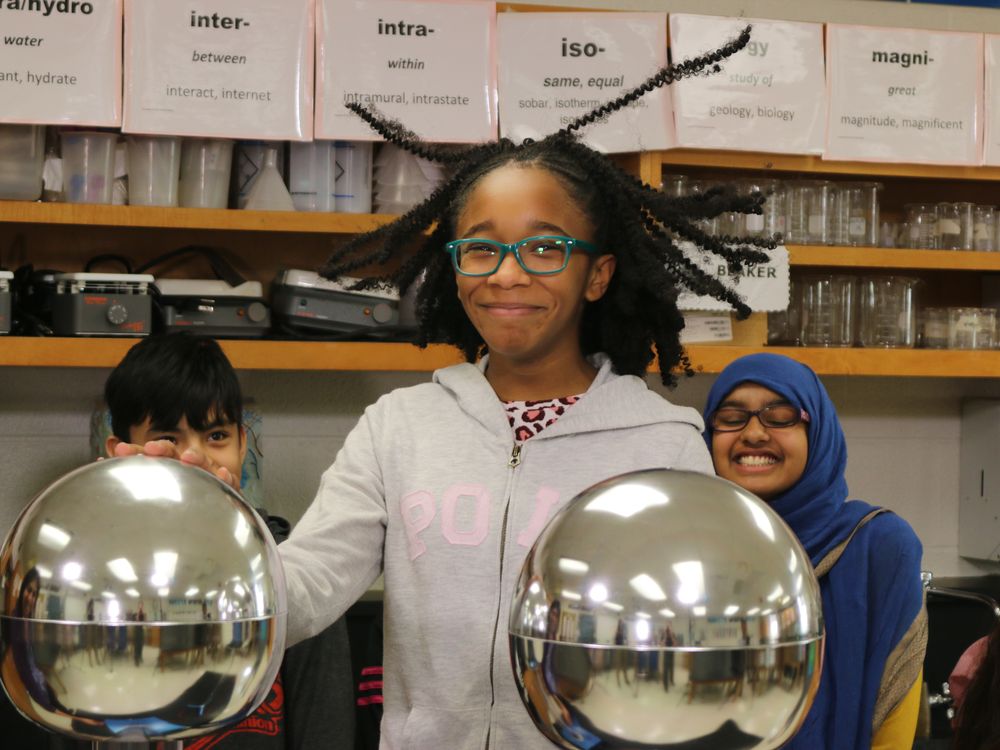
(552, 271)
(773, 430)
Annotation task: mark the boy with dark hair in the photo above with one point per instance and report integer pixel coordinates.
(182, 389)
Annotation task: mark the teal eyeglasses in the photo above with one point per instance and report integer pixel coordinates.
(543, 255)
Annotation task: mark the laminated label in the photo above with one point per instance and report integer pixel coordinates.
(555, 67)
(769, 96)
(431, 65)
(904, 95)
(991, 156)
(220, 68)
(61, 62)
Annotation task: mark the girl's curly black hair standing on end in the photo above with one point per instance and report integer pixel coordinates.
(632, 221)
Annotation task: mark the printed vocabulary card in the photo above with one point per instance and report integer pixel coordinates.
(991, 137)
(769, 96)
(904, 95)
(430, 65)
(61, 62)
(555, 67)
(222, 68)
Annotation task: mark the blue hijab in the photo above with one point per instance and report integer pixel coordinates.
(873, 594)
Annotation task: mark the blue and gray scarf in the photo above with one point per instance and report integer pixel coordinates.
(873, 595)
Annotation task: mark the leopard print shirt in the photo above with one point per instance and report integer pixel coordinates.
(528, 418)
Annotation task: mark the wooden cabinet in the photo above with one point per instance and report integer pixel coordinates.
(953, 278)
(64, 235)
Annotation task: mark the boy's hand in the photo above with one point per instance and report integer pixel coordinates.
(167, 449)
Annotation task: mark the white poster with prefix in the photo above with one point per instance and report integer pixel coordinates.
(223, 68)
(61, 62)
(768, 97)
(991, 137)
(431, 64)
(555, 67)
(904, 95)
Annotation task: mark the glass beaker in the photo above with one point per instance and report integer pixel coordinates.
(731, 224)
(839, 214)
(808, 203)
(784, 328)
(772, 219)
(829, 303)
(983, 219)
(921, 222)
(888, 311)
(709, 226)
(674, 185)
(954, 226)
(934, 328)
(888, 232)
(971, 327)
(856, 213)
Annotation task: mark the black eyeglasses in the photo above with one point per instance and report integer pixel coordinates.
(541, 256)
(775, 416)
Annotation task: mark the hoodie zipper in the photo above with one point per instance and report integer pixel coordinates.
(512, 464)
(515, 457)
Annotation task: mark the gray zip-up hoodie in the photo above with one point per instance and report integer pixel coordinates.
(430, 489)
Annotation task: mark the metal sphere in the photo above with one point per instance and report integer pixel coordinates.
(142, 600)
(661, 608)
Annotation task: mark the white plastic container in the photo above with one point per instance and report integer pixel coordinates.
(22, 153)
(353, 186)
(402, 180)
(154, 166)
(88, 166)
(312, 176)
(206, 164)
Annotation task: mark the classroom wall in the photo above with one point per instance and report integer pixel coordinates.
(902, 436)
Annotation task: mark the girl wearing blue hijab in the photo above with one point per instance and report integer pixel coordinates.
(772, 429)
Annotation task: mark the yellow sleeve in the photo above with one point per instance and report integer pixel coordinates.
(899, 727)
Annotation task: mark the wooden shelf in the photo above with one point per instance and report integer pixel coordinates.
(945, 363)
(153, 217)
(249, 228)
(377, 357)
(19, 212)
(16, 351)
(895, 258)
(815, 165)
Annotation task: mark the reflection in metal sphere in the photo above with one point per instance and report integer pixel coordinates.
(664, 609)
(142, 600)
